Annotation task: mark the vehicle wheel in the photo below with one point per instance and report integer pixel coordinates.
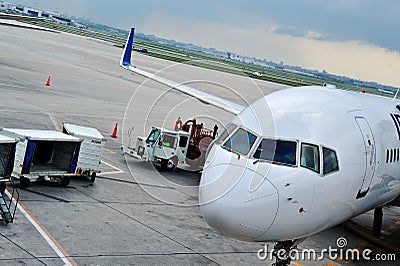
(93, 177)
(64, 182)
(24, 182)
(167, 165)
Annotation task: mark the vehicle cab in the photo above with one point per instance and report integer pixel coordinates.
(163, 147)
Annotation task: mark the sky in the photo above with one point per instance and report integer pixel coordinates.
(355, 38)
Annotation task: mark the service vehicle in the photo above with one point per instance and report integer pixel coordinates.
(183, 147)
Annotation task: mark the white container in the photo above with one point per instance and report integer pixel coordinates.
(44, 154)
(91, 149)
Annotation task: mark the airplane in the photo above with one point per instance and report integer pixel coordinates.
(295, 162)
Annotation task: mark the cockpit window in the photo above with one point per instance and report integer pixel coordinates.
(310, 157)
(228, 130)
(330, 161)
(277, 151)
(241, 141)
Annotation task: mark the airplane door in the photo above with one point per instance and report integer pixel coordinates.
(369, 154)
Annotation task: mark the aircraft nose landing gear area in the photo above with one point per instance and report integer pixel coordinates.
(282, 252)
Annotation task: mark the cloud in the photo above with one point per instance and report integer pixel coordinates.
(315, 35)
(295, 32)
(273, 28)
(289, 30)
(354, 59)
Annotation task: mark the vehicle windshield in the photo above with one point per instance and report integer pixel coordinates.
(277, 151)
(153, 136)
(241, 141)
(168, 141)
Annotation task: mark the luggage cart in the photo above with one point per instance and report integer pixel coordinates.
(44, 154)
(91, 149)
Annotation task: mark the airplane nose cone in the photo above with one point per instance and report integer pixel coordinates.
(229, 205)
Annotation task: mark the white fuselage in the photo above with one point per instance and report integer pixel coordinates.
(253, 199)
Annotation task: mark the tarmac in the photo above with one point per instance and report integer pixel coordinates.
(132, 214)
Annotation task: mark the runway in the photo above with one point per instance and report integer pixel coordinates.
(131, 214)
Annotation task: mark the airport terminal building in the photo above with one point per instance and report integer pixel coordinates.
(31, 12)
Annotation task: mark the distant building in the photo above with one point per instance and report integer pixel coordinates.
(21, 10)
(9, 7)
(61, 20)
(31, 12)
(4, 6)
(45, 15)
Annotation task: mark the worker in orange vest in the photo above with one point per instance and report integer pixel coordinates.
(178, 124)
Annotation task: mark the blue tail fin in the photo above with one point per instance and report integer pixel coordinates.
(126, 56)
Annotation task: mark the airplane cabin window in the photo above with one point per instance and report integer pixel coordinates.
(310, 157)
(241, 141)
(330, 161)
(277, 151)
(228, 130)
(391, 155)
(387, 156)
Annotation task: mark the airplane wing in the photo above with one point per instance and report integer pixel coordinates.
(204, 97)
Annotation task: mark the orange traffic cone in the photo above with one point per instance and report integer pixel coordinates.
(48, 82)
(114, 134)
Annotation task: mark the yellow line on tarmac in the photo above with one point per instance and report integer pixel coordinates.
(108, 151)
(366, 244)
(112, 166)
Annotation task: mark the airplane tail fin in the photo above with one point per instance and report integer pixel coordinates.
(126, 56)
